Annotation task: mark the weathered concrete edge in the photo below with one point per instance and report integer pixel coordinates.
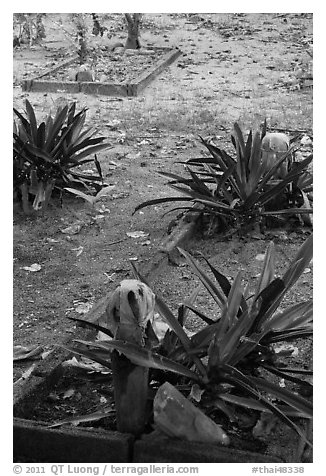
(31, 83)
(35, 84)
(178, 451)
(35, 441)
(150, 74)
(40, 86)
(74, 87)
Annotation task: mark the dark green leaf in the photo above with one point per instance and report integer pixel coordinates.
(157, 201)
(250, 385)
(143, 357)
(98, 167)
(287, 396)
(92, 325)
(280, 373)
(204, 278)
(206, 319)
(90, 150)
(32, 121)
(255, 405)
(55, 129)
(40, 140)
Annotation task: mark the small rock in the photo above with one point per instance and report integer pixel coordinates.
(72, 229)
(83, 308)
(176, 416)
(33, 268)
(84, 76)
(145, 51)
(132, 52)
(119, 50)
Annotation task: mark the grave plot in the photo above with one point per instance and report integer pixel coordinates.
(111, 74)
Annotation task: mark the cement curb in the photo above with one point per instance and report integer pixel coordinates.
(169, 450)
(130, 89)
(35, 442)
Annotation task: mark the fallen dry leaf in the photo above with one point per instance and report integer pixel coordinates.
(196, 392)
(137, 234)
(72, 229)
(32, 268)
(86, 364)
(24, 353)
(84, 307)
(68, 393)
(91, 417)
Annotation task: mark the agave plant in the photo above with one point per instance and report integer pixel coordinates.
(47, 155)
(231, 357)
(240, 191)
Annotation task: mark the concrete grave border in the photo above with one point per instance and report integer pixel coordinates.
(124, 89)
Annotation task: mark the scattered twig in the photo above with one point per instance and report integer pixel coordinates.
(114, 242)
(291, 131)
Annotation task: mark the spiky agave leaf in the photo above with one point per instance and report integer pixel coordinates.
(225, 285)
(280, 372)
(292, 317)
(299, 263)
(268, 301)
(157, 201)
(92, 325)
(255, 165)
(267, 273)
(139, 356)
(257, 388)
(242, 160)
(32, 121)
(252, 404)
(218, 297)
(55, 129)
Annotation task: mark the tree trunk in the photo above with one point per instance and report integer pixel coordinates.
(40, 30)
(97, 28)
(133, 23)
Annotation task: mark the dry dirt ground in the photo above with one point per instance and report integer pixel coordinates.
(234, 67)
